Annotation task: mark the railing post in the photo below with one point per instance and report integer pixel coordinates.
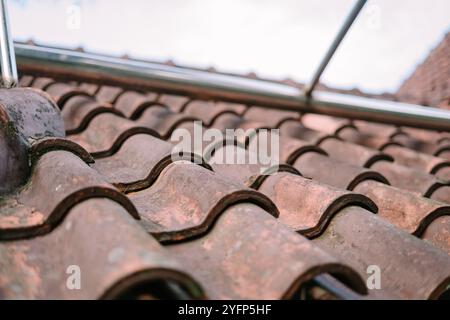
(309, 88)
(8, 66)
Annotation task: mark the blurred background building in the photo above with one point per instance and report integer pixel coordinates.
(430, 82)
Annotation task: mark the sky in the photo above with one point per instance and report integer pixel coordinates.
(274, 38)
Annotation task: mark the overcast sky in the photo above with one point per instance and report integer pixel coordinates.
(274, 38)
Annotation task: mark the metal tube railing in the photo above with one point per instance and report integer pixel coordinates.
(309, 88)
(131, 74)
(8, 69)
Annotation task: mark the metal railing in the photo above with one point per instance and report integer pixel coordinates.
(132, 74)
(309, 88)
(8, 68)
(72, 65)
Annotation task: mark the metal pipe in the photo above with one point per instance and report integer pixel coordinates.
(8, 66)
(335, 287)
(309, 88)
(130, 74)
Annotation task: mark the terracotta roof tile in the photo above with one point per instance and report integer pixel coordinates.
(311, 218)
(41, 83)
(291, 149)
(108, 94)
(345, 195)
(36, 268)
(334, 172)
(139, 162)
(79, 111)
(352, 153)
(106, 132)
(226, 120)
(437, 233)
(186, 199)
(175, 103)
(376, 129)
(19, 128)
(328, 124)
(295, 129)
(162, 120)
(409, 212)
(413, 159)
(420, 145)
(59, 180)
(249, 254)
(269, 117)
(90, 88)
(26, 81)
(305, 214)
(361, 240)
(353, 135)
(61, 92)
(132, 103)
(406, 178)
(208, 111)
(423, 134)
(244, 171)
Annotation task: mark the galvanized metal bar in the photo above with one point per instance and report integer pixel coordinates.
(130, 74)
(335, 287)
(309, 88)
(8, 66)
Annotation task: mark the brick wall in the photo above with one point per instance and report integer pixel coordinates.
(430, 82)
